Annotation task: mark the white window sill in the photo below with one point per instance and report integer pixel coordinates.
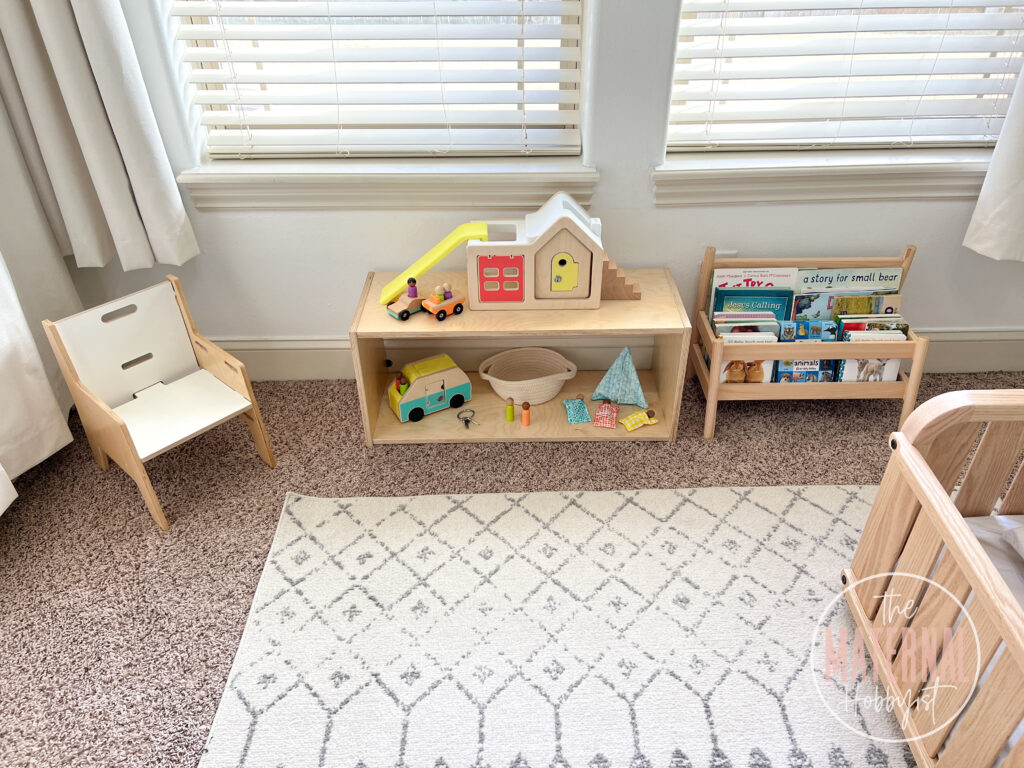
(387, 183)
(728, 178)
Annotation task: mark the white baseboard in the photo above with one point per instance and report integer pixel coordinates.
(952, 350)
(969, 350)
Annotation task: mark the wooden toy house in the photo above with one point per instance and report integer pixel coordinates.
(551, 259)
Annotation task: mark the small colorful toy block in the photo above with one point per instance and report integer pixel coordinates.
(426, 386)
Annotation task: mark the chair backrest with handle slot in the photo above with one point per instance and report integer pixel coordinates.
(126, 345)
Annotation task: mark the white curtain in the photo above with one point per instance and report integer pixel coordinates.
(34, 284)
(30, 248)
(71, 82)
(32, 424)
(997, 226)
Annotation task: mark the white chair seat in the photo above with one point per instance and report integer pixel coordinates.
(165, 415)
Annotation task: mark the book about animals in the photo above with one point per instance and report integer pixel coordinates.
(798, 371)
(870, 368)
(747, 371)
(807, 330)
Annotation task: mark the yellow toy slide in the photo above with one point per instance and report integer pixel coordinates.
(474, 230)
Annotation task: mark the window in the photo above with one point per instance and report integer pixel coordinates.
(780, 74)
(293, 78)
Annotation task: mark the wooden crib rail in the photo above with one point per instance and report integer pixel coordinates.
(916, 530)
(946, 428)
(979, 572)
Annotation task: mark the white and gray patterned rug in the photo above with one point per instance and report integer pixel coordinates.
(567, 630)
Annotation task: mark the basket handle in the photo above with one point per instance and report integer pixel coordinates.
(568, 373)
(482, 368)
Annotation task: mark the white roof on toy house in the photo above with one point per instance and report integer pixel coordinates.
(558, 207)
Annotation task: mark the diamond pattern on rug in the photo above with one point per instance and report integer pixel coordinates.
(633, 629)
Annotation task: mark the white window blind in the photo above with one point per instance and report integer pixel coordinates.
(843, 73)
(291, 78)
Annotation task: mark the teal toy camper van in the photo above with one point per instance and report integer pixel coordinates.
(428, 385)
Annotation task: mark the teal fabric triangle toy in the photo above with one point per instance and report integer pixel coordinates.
(621, 384)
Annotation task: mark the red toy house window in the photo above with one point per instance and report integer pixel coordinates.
(494, 289)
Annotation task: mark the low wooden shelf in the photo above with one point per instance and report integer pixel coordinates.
(905, 388)
(659, 315)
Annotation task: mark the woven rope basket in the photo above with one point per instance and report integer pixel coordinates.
(531, 375)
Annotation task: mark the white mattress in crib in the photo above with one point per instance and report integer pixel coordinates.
(1004, 557)
(1011, 567)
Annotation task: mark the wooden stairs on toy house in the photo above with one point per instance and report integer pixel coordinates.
(616, 285)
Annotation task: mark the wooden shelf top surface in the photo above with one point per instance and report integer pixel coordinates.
(660, 311)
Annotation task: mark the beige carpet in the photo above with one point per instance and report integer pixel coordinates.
(116, 639)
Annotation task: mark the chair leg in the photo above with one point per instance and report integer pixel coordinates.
(260, 436)
(141, 479)
(98, 454)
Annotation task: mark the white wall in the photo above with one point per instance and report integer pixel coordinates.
(294, 276)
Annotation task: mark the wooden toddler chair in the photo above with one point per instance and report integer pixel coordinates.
(144, 381)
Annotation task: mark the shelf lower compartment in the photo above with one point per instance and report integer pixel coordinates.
(547, 424)
(833, 390)
(819, 390)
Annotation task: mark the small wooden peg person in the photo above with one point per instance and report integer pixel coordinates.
(438, 294)
(526, 414)
(411, 282)
(510, 410)
(446, 287)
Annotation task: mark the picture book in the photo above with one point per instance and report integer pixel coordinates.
(728, 317)
(748, 371)
(778, 301)
(873, 322)
(798, 371)
(748, 326)
(870, 369)
(828, 306)
(887, 303)
(877, 303)
(870, 280)
(813, 306)
(807, 330)
(751, 278)
(828, 333)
